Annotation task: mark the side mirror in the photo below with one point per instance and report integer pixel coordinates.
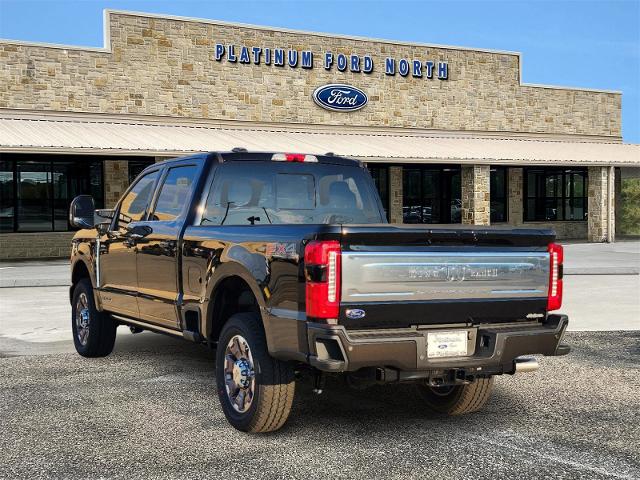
(81, 212)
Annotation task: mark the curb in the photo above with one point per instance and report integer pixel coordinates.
(34, 283)
(602, 271)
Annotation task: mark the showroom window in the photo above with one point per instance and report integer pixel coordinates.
(431, 194)
(555, 194)
(36, 190)
(380, 175)
(498, 194)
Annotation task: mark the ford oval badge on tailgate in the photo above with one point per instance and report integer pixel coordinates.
(340, 98)
(355, 313)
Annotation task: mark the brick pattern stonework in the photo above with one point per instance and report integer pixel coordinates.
(598, 219)
(116, 181)
(475, 194)
(17, 246)
(395, 194)
(515, 188)
(167, 67)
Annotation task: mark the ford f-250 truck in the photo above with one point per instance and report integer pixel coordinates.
(285, 264)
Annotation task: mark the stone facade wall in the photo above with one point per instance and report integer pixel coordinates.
(475, 194)
(515, 187)
(23, 246)
(167, 67)
(598, 218)
(116, 181)
(395, 194)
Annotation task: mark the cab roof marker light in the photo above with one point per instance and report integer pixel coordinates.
(293, 157)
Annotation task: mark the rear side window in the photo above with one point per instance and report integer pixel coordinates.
(135, 203)
(175, 193)
(260, 193)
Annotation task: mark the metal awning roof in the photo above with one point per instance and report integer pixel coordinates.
(94, 135)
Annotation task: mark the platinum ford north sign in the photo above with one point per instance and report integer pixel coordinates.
(305, 59)
(340, 98)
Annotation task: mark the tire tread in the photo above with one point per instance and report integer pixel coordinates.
(277, 391)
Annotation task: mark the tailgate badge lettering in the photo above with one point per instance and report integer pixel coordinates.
(355, 313)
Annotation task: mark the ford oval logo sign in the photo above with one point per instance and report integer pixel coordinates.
(340, 98)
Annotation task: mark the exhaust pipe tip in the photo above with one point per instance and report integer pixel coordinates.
(524, 365)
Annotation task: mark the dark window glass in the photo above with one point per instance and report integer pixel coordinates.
(175, 193)
(135, 167)
(380, 175)
(7, 200)
(295, 192)
(134, 204)
(35, 212)
(498, 194)
(246, 193)
(431, 195)
(555, 194)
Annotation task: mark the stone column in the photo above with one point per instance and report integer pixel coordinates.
(515, 189)
(600, 204)
(116, 181)
(475, 194)
(618, 201)
(395, 194)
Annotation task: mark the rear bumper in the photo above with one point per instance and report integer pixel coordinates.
(493, 348)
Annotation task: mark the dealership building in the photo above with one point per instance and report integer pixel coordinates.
(449, 134)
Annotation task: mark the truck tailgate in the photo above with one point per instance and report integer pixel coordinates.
(401, 276)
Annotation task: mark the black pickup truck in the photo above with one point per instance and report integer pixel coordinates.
(285, 264)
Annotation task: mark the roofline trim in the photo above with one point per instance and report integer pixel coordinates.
(204, 123)
(169, 154)
(106, 48)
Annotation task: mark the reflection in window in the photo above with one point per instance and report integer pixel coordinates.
(554, 194)
(134, 204)
(34, 197)
(431, 195)
(7, 190)
(498, 194)
(175, 193)
(380, 175)
(135, 167)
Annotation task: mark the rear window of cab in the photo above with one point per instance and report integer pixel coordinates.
(260, 193)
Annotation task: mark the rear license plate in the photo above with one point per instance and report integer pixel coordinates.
(450, 343)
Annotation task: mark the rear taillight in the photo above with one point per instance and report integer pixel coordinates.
(322, 273)
(554, 300)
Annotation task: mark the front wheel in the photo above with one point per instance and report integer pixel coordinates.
(457, 399)
(94, 332)
(255, 390)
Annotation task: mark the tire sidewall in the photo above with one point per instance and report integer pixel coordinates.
(94, 319)
(236, 326)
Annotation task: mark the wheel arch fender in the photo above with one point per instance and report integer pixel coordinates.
(224, 276)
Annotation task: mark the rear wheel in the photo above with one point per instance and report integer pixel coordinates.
(255, 390)
(94, 332)
(457, 399)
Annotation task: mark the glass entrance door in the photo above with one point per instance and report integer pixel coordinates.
(431, 194)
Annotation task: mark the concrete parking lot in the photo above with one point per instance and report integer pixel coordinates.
(150, 409)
